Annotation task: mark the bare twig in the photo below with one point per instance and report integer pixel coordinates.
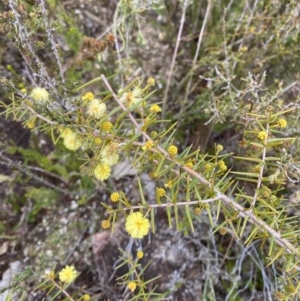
(263, 161)
(174, 58)
(200, 37)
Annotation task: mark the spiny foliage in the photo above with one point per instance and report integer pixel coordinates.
(110, 124)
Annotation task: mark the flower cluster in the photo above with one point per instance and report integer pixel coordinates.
(151, 81)
(148, 145)
(172, 150)
(115, 196)
(105, 224)
(262, 135)
(68, 274)
(282, 123)
(109, 154)
(102, 171)
(189, 164)
(131, 286)
(140, 254)
(131, 98)
(88, 97)
(137, 225)
(219, 147)
(108, 157)
(161, 192)
(97, 141)
(39, 95)
(96, 109)
(208, 166)
(222, 165)
(155, 109)
(107, 126)
(72, 140)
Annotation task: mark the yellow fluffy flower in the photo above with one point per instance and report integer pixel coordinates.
(71, 140)
(262, 135)
(102, 172)
(105, 224)
(97, 141)
(282, 123)
(88, 96)
(65, 132)
(129, 99)
(137, 225)
(219, 147)
(140, 254)
(189, 164)
(68, 274)
(96, 109)
(131, 286)
(109, 154)
(107, 126)
(148, 145)
(115, 196)
(151, 81)
(31, 123)
(155, 109)
(161, 192)
(86, 297)
(172, 150)
(40, 95)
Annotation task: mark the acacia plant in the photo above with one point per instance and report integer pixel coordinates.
(104, 122)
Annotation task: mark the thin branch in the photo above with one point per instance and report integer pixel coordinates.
(200, 37)
(61, 289)
(185, 5)
(40, 116)
(10, 163)
(263, 162)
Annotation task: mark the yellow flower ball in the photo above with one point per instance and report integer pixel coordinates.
(198, 211)
(223, 167)
(86, 297)
(72, 140)
(155, 109)
(115, 196)
(208, 166)
(31, 123)
(148, 145)
(65, 132)
(137, 225)
(262, 135)
(219, 147)
(131, 286)
(102, 172)
(105, 224)
(109, 154)
(39, 95)
(282, 123)
(161, 192)
(68, 274)
(140, 254)
(169, 184)
(151, 81)
(107, 126)
(88, 96)
(96, 109)
(189, 165)
(97, 141)
(129, 99)
(172, 150)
